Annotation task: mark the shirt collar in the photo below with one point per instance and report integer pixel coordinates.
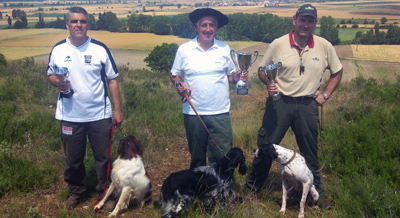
(195, 45)
(310, 41)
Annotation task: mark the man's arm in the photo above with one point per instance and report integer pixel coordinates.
(333, 82)
(114, 89)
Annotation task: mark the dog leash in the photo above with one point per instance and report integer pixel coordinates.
(321, 128)
(97, 210)
(186, 98)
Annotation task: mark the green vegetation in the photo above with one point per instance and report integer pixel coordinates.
(360, 140)
(48, 15)
(161, 58)
(362, 149)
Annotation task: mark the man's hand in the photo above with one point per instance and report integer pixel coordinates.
(320, 99)
(272, 88)
(243, 75)
(118, 118)
(63, 86)
(182, 90)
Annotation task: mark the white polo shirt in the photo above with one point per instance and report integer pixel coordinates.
(318, 55)
(89, 65)
(206, 74)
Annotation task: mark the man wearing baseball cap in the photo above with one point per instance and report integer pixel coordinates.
(304, 58)
(204, 66)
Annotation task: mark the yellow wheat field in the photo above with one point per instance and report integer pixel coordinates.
(376, 52)
(17, 44)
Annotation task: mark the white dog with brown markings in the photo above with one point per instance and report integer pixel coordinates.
(296, 176)
(130, 181)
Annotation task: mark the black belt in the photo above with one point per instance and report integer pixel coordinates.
(301, 98)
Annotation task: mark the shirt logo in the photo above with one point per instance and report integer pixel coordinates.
(67, 59)
(66, 130)
(88, 59)
(315, 59)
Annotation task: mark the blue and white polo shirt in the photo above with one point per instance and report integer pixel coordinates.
(90, 66)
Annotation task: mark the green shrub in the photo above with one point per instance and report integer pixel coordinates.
(24, 175)
(363, 150)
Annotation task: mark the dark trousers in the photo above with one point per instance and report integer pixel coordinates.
(302, 117)
(73, 136)
(200, 143)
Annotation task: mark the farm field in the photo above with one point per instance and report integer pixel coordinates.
(132, 48)
(349, 10)
(166, 153)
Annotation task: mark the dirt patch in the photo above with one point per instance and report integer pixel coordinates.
(381, 71)
(344, 51)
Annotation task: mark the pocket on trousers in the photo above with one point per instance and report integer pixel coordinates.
(262, 137)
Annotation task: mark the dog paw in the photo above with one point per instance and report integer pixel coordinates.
(112, 215)
(283, 211)
(301, 215)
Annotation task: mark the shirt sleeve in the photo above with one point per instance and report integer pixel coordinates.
(268, 56)
(51, 65)
(177, 66)
(333, 60)
(110, 66)
(231, 65)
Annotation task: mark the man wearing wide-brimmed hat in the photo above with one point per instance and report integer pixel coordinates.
(304, 57)
(204, 65)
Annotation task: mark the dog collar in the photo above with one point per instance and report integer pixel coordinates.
(290, 160)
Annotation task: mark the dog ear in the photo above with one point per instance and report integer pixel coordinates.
(272, 151)
(242, 168)
(137, 144)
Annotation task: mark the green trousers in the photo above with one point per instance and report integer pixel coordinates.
(302, 117)
(200, 143)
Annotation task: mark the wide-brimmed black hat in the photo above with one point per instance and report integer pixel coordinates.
(201, 12)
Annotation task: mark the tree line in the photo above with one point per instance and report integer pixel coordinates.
(242, 27)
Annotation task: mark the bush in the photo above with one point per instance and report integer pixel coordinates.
(3, 60)
(162, 57)
(363, 149)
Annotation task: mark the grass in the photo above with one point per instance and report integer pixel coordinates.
(345, 34)
(359, 163)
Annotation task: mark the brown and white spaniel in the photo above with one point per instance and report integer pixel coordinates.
(129, 179)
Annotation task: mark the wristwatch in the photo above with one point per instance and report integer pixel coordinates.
(326, 96)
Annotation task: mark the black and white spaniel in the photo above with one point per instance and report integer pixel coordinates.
(208, 183)
(130, 181)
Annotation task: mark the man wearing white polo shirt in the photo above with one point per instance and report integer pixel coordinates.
(304, 58)
(86, 111)
(204, 65)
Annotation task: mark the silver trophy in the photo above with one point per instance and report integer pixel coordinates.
(62, 74)
(271, 72)
(243, 61)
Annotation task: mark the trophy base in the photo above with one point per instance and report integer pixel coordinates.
(241, 90)
(67, 95)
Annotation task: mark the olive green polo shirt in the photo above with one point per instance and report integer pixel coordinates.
(316, 57)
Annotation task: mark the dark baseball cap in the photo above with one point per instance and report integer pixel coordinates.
(307, 10)
(202, 12)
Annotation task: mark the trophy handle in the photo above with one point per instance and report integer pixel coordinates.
(255, 55)
(233, 58)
